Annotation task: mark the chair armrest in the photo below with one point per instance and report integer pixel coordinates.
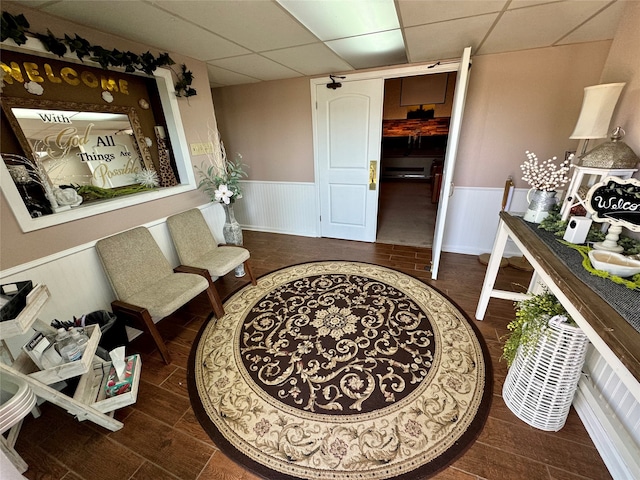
(203, 272)
(212, 293)
(127, 307)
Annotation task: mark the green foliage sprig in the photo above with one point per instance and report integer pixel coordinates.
(553, 223)
(16, 28)
(91, 192)
(531, 322)
(583, 250)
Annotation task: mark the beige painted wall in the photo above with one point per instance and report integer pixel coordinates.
(528, 100)
(269, 124)
(623, 65)
(17, 247)
(519, 101)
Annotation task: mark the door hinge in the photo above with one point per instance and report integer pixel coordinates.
(320, 217)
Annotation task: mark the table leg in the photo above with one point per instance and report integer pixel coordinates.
(492, 270)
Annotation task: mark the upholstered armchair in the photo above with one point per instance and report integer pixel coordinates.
(197, 248)
(146, 287)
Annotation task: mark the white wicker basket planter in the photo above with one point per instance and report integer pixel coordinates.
(540, 386)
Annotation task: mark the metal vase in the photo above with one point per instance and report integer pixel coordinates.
(232, 233)
(540, 203)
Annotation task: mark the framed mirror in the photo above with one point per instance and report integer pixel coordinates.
(87, 135)
(80, 144)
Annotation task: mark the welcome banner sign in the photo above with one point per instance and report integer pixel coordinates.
(616, 201)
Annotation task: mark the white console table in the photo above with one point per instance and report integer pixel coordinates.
(615, 339)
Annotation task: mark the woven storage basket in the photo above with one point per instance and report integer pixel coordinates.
(540, 386)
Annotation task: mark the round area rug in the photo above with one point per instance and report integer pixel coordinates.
(340, 370)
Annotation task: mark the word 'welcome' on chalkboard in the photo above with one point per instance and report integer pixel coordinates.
(616, 201)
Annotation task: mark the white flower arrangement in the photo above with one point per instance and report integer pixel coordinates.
(223, 195)
(545, 175)
(220, 179)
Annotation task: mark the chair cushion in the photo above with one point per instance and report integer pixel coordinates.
(165, 296)
(222, 260)
(132, 261)
(191, 236)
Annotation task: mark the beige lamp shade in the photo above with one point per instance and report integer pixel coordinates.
(598, 105)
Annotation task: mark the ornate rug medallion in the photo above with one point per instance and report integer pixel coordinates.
(340, 370)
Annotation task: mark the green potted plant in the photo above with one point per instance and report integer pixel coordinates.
(532, 320)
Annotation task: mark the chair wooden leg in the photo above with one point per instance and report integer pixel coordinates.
(212, 291)
(144, 319)
(247, 267)
(214, 299)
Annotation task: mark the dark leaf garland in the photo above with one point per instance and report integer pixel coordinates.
(183, 85)
(16, 27)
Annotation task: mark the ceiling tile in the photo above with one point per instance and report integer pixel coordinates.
(333, 19)
(32, 3)
(530, 3)
(256, 66)
(146, 24)
(374, 50)
(419, 13)
(256, 25)
(602, 29)
(447, 39)
(313, 59)
(539, 26)
(221, 77)
(254, 40)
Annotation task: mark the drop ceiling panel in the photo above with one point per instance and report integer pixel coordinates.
(256, 66)
(333, 19)
(256, 25)
(606, 23)
(146, 24)
(289, 34)
(539, 26)
(313, 59)
(221, 77)
(447, 39)
(419, 13)
(374, 50)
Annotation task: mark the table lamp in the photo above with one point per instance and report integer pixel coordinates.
(598, 105)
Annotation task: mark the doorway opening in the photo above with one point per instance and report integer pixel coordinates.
(416, 116)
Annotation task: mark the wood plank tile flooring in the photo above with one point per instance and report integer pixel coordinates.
(161, 438)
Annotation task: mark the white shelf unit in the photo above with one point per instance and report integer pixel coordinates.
(82, 404)
(577, 192)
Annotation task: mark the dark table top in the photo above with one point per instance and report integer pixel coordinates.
(619, 335)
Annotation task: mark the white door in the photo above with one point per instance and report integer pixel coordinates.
(349, 132)
(446, 191)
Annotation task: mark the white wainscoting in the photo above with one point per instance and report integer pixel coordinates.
(611, 416)
(278, 207)
(472, 220)
(291, 208)
(78, 284)
(75, 276)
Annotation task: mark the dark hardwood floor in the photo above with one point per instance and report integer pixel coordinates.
(161, 438)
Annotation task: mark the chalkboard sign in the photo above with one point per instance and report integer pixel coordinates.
(616, 201)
